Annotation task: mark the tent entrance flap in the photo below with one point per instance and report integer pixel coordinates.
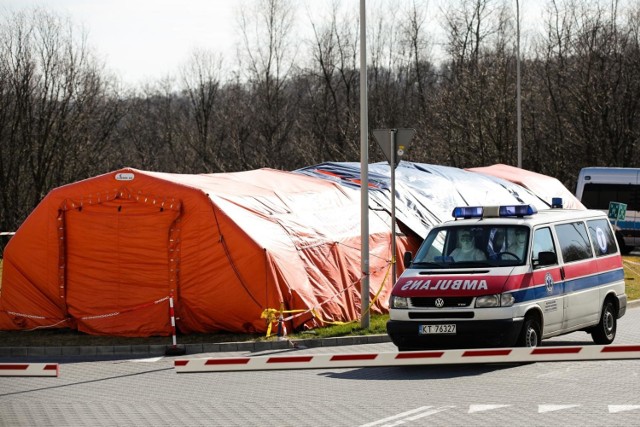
(121, 264)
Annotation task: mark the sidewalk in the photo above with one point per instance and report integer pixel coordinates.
(159, 350)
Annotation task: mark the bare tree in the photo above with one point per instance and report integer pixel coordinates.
(476, 32)
(330, 106)
(270, 55)
(55, 115)
(201, 79)
(591, 80)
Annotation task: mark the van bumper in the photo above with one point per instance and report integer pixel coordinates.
(472, 334)
(622, 305)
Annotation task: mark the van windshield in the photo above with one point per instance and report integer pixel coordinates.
(471, 246)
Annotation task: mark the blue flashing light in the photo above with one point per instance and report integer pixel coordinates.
(468, 212)
(517, 210)
(556, 202)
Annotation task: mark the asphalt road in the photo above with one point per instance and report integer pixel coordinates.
(149, 392)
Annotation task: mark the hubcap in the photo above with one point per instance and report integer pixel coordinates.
(608, 323)
(532, 338)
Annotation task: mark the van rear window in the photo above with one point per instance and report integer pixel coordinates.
(602, 239)
(574, 241)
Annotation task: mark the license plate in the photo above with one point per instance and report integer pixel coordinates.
(449, 329)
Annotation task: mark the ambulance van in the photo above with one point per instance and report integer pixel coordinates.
(504, 276)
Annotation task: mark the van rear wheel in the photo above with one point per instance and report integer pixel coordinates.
(624, 249)
(605, 331)
(531, 333)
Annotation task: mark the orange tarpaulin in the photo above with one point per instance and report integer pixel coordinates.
(103, 255)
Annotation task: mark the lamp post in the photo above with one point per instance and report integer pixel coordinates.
(364, 172)
(518, 101)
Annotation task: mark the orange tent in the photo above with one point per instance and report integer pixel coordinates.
(105, 255)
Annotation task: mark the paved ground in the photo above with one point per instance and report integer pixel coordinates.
(148, 392)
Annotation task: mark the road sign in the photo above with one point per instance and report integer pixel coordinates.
(394, 143)
(617, 211)
(401, 138)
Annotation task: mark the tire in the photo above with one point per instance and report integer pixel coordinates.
(624, 249)
(531, 334)
(605, 331)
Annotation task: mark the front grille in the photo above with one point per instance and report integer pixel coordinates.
(451, 302)
(441, 315)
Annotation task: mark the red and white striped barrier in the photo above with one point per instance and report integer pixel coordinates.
(29, 370)
(432, 357)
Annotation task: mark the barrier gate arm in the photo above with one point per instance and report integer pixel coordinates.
(431, 357)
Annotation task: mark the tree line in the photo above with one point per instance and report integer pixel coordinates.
(288, 102)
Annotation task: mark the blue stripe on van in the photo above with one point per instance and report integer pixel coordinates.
(569, 286)
(626, 224)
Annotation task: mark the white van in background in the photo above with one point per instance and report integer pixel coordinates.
(597, 186)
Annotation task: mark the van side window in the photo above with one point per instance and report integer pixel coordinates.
(574, 241)
(542, 242)
(603, 240)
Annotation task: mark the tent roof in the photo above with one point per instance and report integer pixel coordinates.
(426, 194)
(544, 186)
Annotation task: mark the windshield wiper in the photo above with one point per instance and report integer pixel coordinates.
(425, 264)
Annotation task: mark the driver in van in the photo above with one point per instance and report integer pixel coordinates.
(466, 249)
(496, 243)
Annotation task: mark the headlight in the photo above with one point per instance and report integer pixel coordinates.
(398, 302)
(507, 300)
(497, 300)
(488, 301)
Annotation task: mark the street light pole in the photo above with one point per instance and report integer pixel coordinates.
(364, 172)
(392, 163)
(518, 101)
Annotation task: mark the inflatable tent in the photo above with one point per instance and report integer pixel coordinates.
(426, 194)
(544, 186)
(106, 254)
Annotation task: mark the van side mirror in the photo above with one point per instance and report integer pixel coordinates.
(547, 258)
(406, 260)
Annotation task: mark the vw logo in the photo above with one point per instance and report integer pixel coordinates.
(439, 302)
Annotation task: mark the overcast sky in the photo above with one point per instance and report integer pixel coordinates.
(146, 40)
(143, 40)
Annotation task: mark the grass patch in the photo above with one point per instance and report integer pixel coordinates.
(632, 277)
(69, 337)
(377, 325)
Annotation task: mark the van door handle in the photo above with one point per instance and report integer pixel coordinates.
(562, 273)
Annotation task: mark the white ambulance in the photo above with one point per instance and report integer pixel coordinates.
(509, 276)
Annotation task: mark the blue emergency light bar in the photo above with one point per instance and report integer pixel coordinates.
(556, 202)
(503, 211)
(517, 210)
(468, 212)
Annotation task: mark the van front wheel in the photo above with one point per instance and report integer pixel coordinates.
(531, 333)
(605, 331)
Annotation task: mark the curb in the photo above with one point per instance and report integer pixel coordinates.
(159, 350)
